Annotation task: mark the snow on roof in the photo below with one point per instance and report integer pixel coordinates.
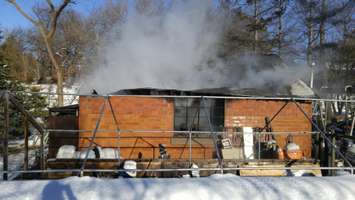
(300, 88)
(214, 187)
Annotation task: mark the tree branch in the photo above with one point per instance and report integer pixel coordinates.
(22, 12)
(54, 18)
(50, 4)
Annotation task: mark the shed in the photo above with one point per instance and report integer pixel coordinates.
(138, 121)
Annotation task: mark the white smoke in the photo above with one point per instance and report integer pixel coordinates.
(279, 76)
(172, 50)
(162, 51)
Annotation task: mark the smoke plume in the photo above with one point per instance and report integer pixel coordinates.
(176, 49)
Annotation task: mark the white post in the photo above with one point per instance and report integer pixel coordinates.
(248, 137)
(312, 75)
(352, 126)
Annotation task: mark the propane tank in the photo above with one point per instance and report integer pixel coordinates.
(130, 164)
(293, 151)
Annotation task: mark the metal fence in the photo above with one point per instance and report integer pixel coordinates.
(189, 135)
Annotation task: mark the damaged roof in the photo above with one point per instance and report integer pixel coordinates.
(296, 89)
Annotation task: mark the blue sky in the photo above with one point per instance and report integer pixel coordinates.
(10, 18)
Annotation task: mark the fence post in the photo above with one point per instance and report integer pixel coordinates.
(42, 151)
(259, 146)
(190, 148)
(352, 127)
(6, 134)
(25, 130)
(333, 154)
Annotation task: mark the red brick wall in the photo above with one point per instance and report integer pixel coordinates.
(147, 113)
(135, 113)
(252, 113)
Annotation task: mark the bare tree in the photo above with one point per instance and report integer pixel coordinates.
(256, 23)
(261, 11)
(306, 10)
(47, 33)
(281, 6)
(228, 5)
(100, 27)
(149, 7)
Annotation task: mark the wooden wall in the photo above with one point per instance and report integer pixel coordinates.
(58, 138)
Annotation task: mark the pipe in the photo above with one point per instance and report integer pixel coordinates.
(174, 170)
(352, 127)
(118, 131)
(183, 132)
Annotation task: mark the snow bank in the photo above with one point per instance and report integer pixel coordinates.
(214, 187)
(82, 154)
(66, 151)
(109, 153)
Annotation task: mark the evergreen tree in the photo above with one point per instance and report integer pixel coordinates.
(34, 103)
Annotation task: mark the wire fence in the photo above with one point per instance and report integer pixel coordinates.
(190, 134)
(222, 170)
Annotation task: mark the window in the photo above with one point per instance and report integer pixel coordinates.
(194, 114)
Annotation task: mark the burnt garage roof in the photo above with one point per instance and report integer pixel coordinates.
(296, 89)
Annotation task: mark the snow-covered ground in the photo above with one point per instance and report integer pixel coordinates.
(52, 98)
(16, 162)
(214, 187)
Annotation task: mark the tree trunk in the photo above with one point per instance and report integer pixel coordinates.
(58, 69)
(47, 35)
(310, 41)
(60, 78)
(25, 68)
(322, 25)
(322, 40)
(256, 23)
(279, 34)
(37, 72)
